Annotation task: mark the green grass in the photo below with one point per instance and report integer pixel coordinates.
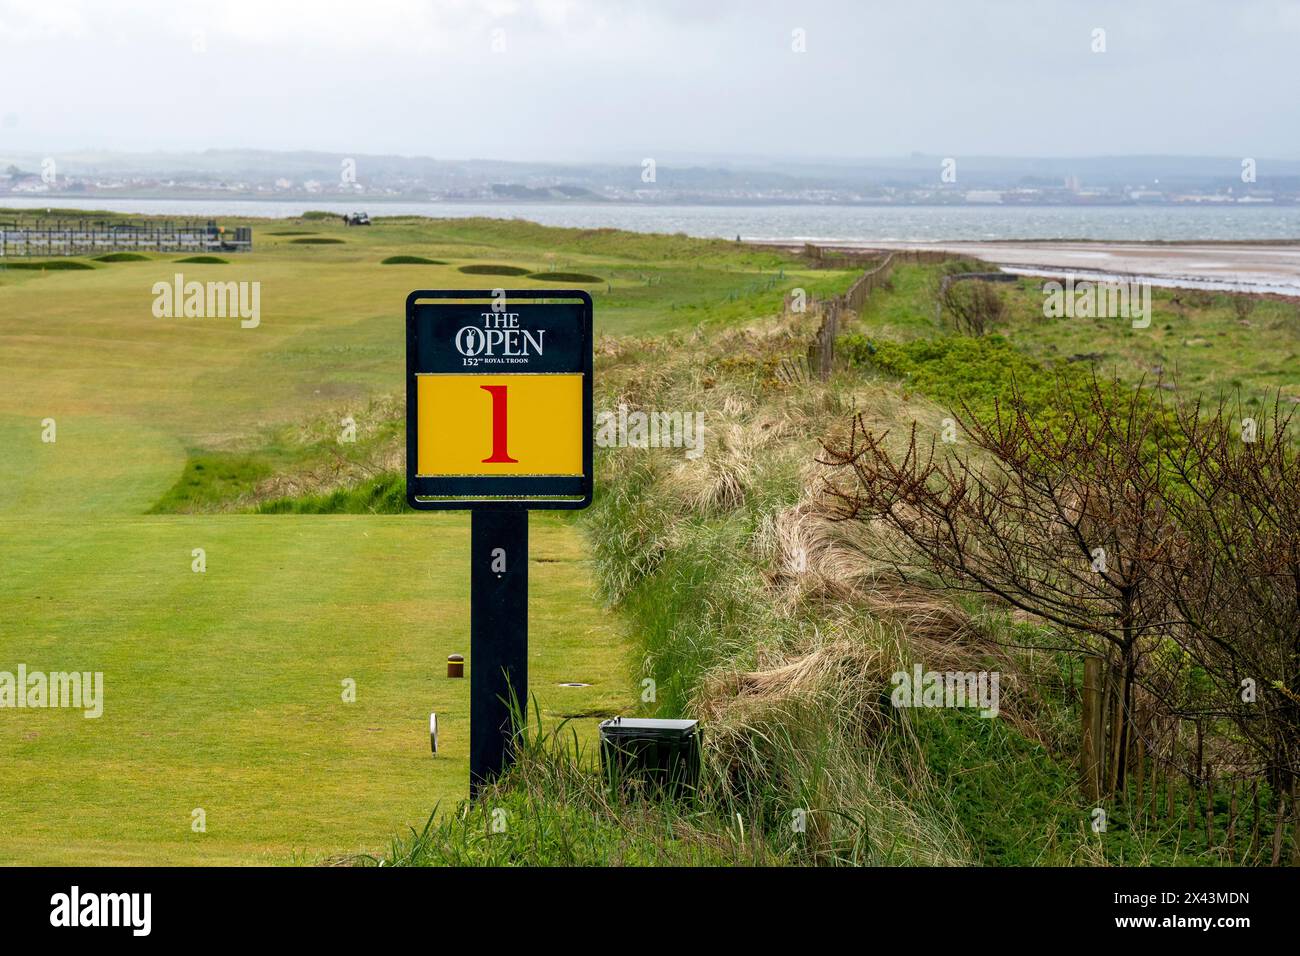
(383, 495)
(210, 478)
(957, 369)
(233, 705)
(317, 241)
(223, 689)
(554, 809)
(1195, 340)
(1032, 816)
(205, 260)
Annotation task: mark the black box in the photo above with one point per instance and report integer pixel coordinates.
(663, 755)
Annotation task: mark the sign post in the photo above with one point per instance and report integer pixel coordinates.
(498, 638)
(499, 422)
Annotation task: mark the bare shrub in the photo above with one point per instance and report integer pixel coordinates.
(1243, 306)
(1235, 579)
(974, 305)
(1063, 522)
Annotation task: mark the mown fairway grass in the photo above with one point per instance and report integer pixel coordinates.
(223, 690)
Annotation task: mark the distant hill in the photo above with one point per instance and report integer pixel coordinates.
(683, 176)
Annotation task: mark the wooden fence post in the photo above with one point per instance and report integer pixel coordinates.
(1118, 720)
(1209, 806)
(1232, 823)
(1295, 820)
(1253, 846)
(1278, 820)
(1091, 715)
(1153, 801)
(1141, 773)
(1200, 750)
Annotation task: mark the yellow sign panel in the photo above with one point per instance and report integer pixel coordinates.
(499, 424)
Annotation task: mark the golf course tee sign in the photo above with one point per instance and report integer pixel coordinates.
(498, 421)
(498, 398)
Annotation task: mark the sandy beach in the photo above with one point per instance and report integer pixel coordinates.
(1264, 267)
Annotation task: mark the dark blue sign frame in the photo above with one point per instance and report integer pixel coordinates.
(429, 348)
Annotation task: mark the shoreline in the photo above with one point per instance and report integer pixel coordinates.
(1259, 266)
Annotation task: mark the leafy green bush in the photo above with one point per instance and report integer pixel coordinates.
(958, 369)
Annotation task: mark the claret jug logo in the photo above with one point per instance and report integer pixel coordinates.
(500, 339)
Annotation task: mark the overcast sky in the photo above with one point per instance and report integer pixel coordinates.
(581, 80)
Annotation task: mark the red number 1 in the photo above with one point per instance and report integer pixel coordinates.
(499, 453)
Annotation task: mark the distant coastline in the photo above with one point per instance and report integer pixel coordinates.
(314, 201)
(783, 222)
